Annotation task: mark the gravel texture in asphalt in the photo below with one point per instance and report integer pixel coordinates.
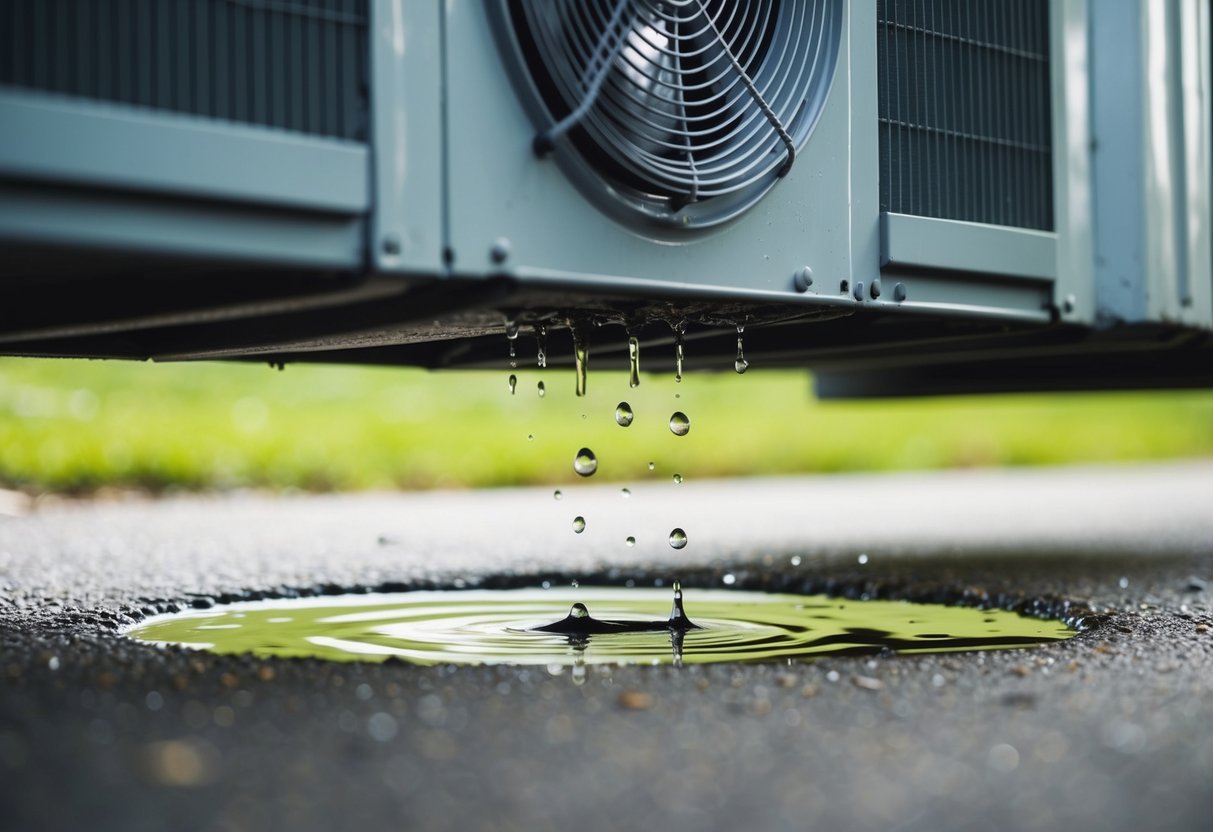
(1112, 729)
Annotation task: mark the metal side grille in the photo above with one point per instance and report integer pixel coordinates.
(965, 128)
(292, 64)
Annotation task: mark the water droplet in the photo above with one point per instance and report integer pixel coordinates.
(678, 353)
(585, 463)
(729, 579)
(625, 493)
(511, 330)
(530, 437)
(513, 382)
(678, 479)
(581, 357)
(556, 495)
(652, 466)
(513, 356)
(631, 541)
(578, 610)
(678, 539)
(541, 342)
(623, 414)
(579, 524)
(795, 561)
(542, 390)
(862, 559)
(680, 425)
(579, 674)
(546, 584)
(1124, 582)
(574, 583)
(633, 362)
(740, 364)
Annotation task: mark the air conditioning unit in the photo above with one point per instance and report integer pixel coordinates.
(909, 197)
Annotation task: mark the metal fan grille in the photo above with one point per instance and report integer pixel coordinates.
(680, 107)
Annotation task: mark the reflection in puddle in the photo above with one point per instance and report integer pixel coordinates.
(607, 625)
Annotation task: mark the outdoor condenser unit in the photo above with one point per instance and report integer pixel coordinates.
(910, 196)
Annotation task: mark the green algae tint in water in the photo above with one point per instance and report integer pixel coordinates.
(498, 627)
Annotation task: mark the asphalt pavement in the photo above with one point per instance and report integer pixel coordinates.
(1112, 729)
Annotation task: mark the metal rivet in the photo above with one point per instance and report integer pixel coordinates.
(803, 279)
(874, 291)
(899, 292)
(858, 292)
(391, 244)
(500, 251)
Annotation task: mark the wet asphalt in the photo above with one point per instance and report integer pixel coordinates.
(1112, 729)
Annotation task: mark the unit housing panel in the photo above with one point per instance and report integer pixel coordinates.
(506, 202)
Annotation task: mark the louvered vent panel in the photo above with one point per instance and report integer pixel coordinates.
(297, 65)
(965, 128)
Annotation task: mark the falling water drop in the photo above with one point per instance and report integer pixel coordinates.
(630, 541)
(678, 539)
(542, 390)
(579, 524)
(678, 353)
(740, 365)
(556, 495)
(633, 362)
(623, 414)
(530, 437)
(575, 584)
(579, 610)
(513, 383)
(652, 466)
(678, 479)
(585, 463)
(541, 343)
(511, 333)
(581, 357)
(680, 425)
(625, 493)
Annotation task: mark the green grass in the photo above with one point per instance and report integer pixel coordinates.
(79, 426)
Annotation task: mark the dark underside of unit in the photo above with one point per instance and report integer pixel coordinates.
(448, 324)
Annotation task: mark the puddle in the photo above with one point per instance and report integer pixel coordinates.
(502, 627)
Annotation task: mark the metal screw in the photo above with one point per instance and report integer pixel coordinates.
(391, 244)
(858, 291)
(500, 251)
(874, 291)
(803, 279)
(899, 292)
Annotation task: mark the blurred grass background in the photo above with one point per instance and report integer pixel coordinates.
(79, 426)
